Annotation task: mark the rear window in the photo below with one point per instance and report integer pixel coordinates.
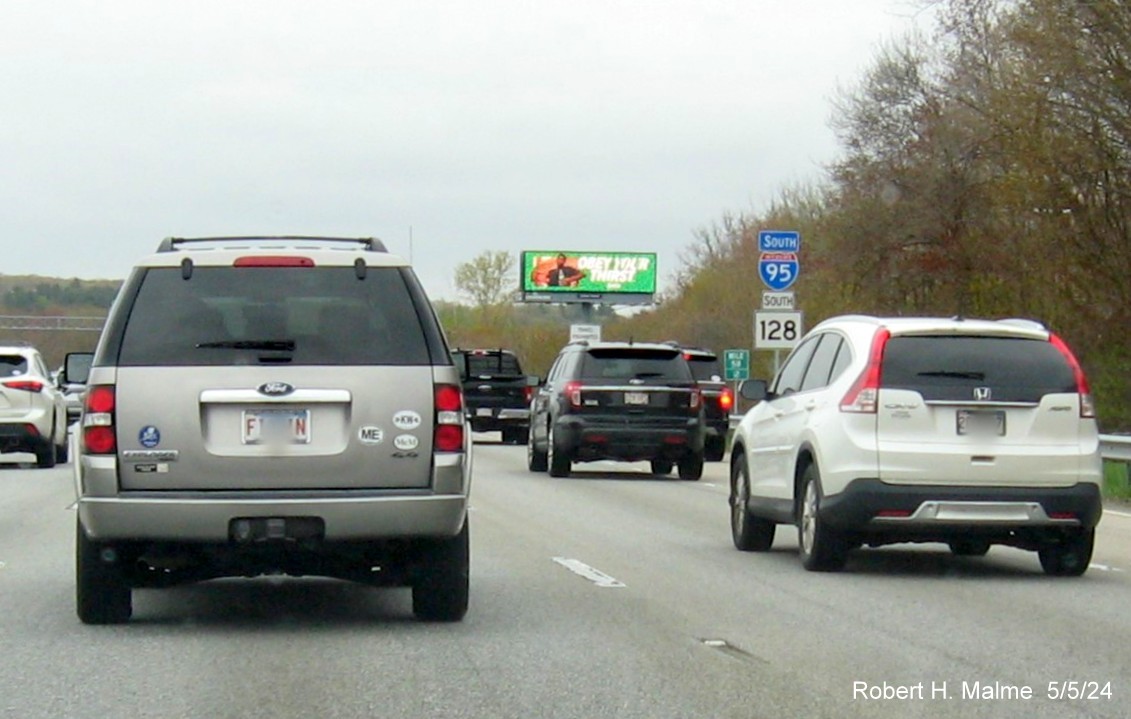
(950, 368)
(487, 363)
(633, 363)
(12, 365)
(705, 369)
(273, 315)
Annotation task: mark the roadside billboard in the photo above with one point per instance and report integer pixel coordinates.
(599, 277)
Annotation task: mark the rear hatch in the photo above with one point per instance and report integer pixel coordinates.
(646, 387)
(14, 402)
(226, 383)
(981, 411)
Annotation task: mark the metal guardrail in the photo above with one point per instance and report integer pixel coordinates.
(1116, 447)
(69, 323)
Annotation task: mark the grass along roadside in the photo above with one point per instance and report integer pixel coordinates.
(1117, 485)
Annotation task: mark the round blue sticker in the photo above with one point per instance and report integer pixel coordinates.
(149, 436)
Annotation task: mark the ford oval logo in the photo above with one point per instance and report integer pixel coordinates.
(275, 389)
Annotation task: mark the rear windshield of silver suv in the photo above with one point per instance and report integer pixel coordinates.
(949, 368)
(277, 315)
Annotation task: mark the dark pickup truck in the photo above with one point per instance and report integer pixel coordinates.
(496, 392)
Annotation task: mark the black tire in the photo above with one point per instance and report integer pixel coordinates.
(61, 450)
(691, 468)
(715, 449)
(822, 548)
(750, 533)
(969, 547)
(535, 458)
(558, 457)
(662, 466)
(1069, 557)
(102, 595)
(441, 588)
(45, 455)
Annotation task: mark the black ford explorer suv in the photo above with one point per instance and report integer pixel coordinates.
(618, 401)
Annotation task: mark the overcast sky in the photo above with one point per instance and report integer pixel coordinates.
(465, 126)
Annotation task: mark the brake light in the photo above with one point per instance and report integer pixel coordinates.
(273, 261)
(1087, 403)
(572, 393)
(862, 396)
(528, 394)
(726, 399)
(448, 435)
(27, 385)
(98, 420)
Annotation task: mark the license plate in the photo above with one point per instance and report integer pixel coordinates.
(636, 398)
(981, 423)
(276, 426)
(483, 412)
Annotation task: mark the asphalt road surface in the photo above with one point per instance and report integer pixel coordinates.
(609, 594)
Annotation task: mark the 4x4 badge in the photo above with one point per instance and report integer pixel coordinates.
(275, 389)
(982, 394)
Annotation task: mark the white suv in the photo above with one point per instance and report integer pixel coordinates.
(33, 414)
(885, 430)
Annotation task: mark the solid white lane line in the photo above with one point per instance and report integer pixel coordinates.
(582, 569)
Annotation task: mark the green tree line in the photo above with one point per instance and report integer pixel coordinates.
(984, 171)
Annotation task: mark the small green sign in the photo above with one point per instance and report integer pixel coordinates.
(736, 364)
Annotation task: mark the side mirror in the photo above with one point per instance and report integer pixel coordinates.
(76, 367)
(754, 390)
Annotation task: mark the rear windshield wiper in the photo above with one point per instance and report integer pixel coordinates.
(271, 345)
(955, 375)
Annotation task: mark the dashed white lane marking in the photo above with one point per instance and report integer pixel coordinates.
(582, 569)
(1104, 567)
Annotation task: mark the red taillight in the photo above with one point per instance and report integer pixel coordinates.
(863, 395)
(273, 261)
(1087, 404)
(449, 418)
(726, 399)
(894, 513)
(572, 393)
(98, 435)
(528, 394)
(27, 385)
(1062, 515)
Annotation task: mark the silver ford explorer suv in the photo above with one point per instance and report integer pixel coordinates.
(272, 405)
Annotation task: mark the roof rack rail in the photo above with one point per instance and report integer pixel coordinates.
(171, 244)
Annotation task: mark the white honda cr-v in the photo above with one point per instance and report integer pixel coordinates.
(884, 430)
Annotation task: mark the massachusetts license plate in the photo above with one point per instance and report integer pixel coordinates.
(276, 426)
(636, 398)
(981, 422)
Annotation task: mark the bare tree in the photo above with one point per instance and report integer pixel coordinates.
(488, 279)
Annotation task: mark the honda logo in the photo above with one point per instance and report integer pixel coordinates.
(982, 394)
